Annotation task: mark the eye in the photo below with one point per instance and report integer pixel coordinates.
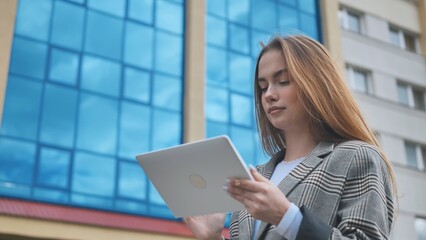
(284, 82)
(263, 89)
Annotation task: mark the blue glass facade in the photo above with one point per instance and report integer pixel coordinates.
(233, 31)
(91, 84)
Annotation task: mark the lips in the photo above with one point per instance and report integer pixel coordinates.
(272, 110)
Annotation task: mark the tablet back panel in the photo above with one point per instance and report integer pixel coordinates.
(190, 177)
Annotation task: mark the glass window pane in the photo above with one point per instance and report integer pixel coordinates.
(137, 85)
(243, 140)
(33, 18)
(135, 129)
(238, 11)
(101, 75)
(28, 58)
(68, 33)
(167, 129)
(308, 6)
(77, 1)
(139, 45)
(141, 10)
(114, 7)
(97, 124)
(256, 38)
(167, 92)
(93, 201)
(217, 104)
(309, 25)
(216, 66)
(93, 174)
(169, 59)
(132, 182)
(18, 157)
(216, 129)
(241, 74)
(53, 167)
(63, 66)
(241, 110)
(169, 16)
(410, 43)
(394, 37)
(239, 39)
(50, 195)
(264, 17)
(420, 225)
(217, 7)
(216, 31)
(103, 35)
(58, 116)
(419, 99)
(354, 22)
(360, 81)
(289, 19)
(411, 154)
(289, 2)
(154, 195)
(21, 121)
(403, 94)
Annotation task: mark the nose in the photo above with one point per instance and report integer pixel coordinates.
(271, 94)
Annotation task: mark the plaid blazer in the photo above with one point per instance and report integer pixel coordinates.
(344, 192)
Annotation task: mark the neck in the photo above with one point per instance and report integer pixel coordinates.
(298, 144)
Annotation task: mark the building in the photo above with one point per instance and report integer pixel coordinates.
(85, 85)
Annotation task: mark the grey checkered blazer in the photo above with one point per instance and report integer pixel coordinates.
(344, 192)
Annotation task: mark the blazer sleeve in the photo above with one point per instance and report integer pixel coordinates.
(366, 206)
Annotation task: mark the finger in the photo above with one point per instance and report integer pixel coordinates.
(257, 176)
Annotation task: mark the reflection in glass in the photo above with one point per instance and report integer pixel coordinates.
(100, 75)
(217, 104)
(58, 116)
(97, 124)
(53, 167)
(63, 66)
(18, 158)
(51, 195)
(256, 38)
(239, 39)
(167, 92)
(243, 140)
(169, 16)
(134, 129)
(114, 7)
(93, 174)
(216, 66)
(28, 58)
(168, 53)
(216, 31)
(141, 10)
(308, 6)
(241, 110)
(103, 35)
(217, 7)
(167, 128)
(238, 11)
(139, 45)
(67, 33)
(33, 18)
(132, 182)
(288, 20)
(309, 25)
(241, 74)
(289, 2)
(264, 17)
(137, 85)
(216, 129)
(21, 108)
(154, 195)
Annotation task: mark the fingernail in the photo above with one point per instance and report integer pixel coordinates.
(251, 167)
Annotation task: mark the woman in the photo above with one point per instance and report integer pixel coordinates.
(327, 178)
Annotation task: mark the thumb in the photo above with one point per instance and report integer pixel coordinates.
(256, 175)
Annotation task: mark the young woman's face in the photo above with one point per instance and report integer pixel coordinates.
(280, 101)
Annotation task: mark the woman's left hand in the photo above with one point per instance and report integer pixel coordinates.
(262, 199)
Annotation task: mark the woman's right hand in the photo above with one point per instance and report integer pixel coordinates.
(207, 227)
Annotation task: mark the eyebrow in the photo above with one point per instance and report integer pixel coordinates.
(275, 75)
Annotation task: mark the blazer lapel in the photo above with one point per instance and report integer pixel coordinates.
(298, 174)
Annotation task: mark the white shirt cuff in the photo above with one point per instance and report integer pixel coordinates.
(290, 223)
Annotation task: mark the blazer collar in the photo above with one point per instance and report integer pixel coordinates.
(298, 174)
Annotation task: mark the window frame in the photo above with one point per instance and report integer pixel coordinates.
(419, 150)
(351, 70)
(344, 14)
(411, 89)
(402, 34)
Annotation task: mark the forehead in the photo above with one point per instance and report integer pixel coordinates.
(270, 62)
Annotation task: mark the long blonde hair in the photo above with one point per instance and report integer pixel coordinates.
(333, 113)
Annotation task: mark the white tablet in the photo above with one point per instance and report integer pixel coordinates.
(190, 177)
